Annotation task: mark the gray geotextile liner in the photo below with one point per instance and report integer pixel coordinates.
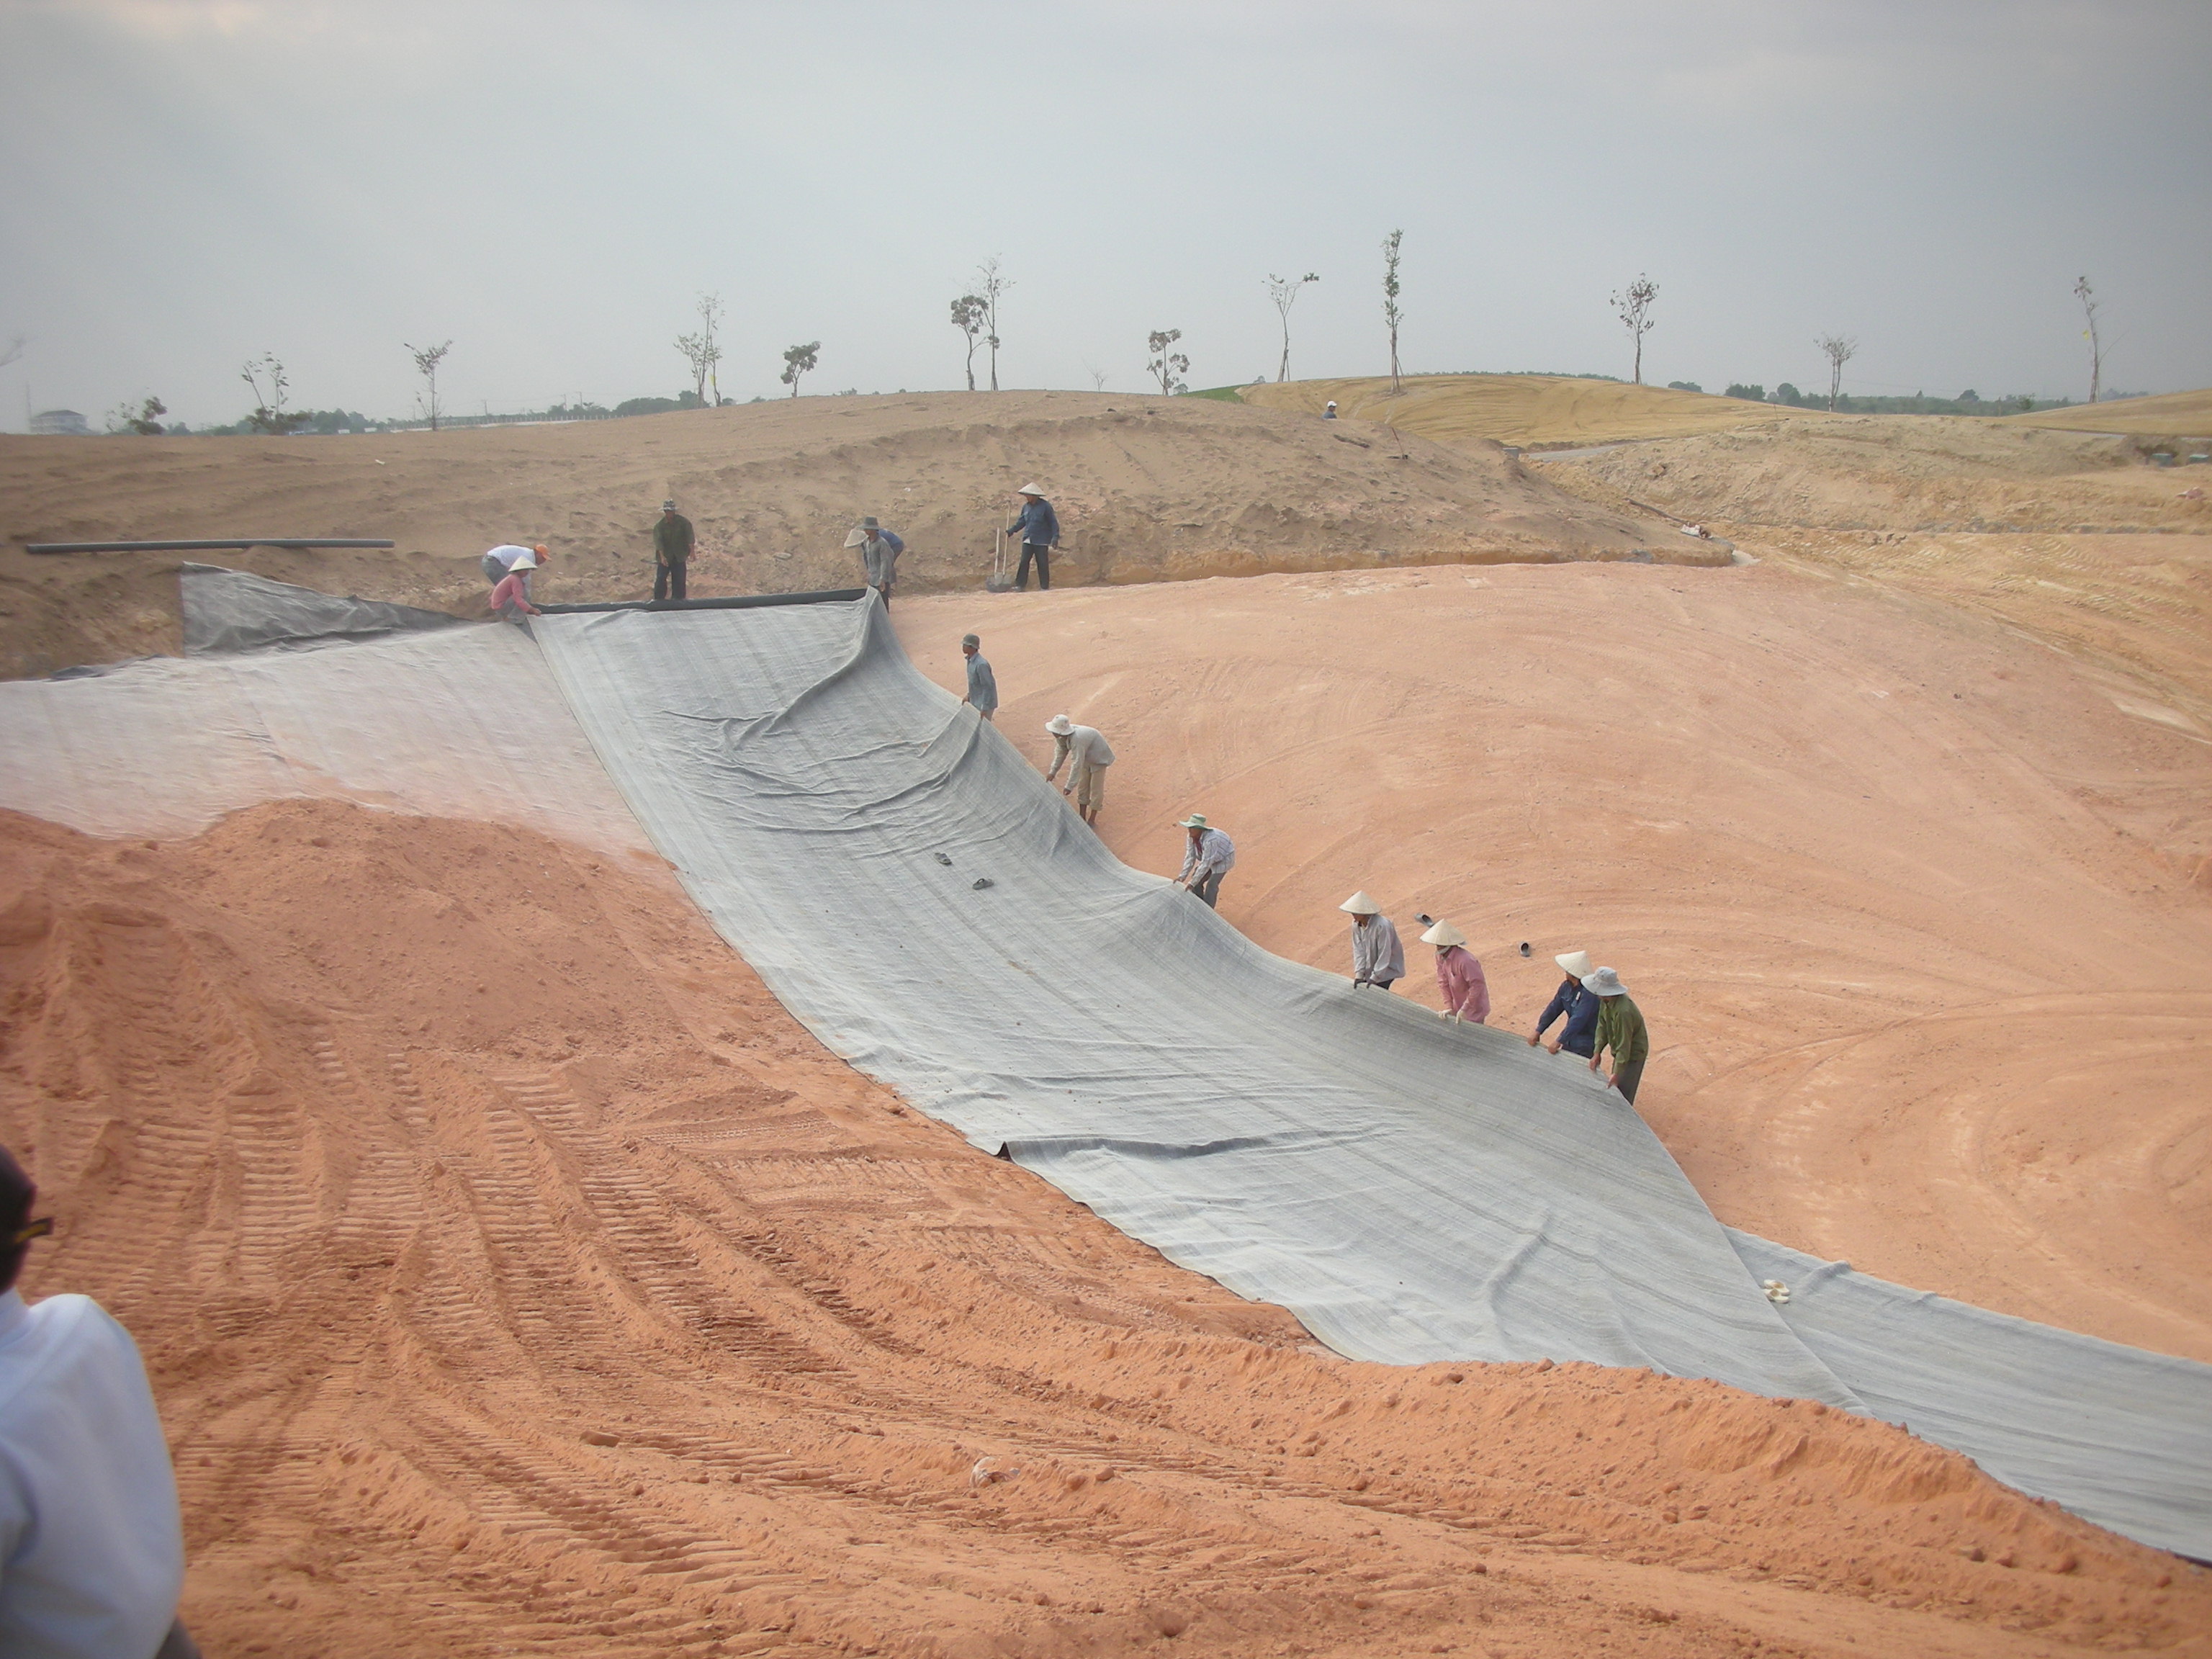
(236, 610)
(915, 892)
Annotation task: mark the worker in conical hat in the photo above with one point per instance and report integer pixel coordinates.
(1459, 975)
(1378, 956)
(1578, 1006)
(1039, 528)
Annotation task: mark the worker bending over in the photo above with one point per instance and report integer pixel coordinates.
(1083, 749)
(1210, 856)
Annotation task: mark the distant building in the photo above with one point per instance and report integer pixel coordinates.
(59, 423)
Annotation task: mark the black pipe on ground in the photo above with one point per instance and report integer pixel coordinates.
(747, 602)
(199, 546)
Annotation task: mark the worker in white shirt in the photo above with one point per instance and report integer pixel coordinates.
(1377, 957)
(1210, 856)
(92, 1546)
(1087, 754)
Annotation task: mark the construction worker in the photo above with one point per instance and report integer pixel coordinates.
(510, 600)
(1039, 527)
(1087, 754)
(983, 684)
(1210, 856)
(1620, 1028)
(1578, 1006)
(508, 557)
(879, 552)
(1459, 975)
(672, 541)
(1378, 958)
(91, 1540)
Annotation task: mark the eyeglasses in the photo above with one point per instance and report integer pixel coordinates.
(39, 1229)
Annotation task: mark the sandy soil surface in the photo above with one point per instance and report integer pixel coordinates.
(1921, 473)
(1148, 489)
(2170, 415)
(517, 1278)
(1537, 411)
(1920, 910)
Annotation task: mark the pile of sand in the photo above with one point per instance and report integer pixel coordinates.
(516, 1276)
(1148, 489)
(1536, 411)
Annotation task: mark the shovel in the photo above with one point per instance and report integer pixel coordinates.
(999, 581)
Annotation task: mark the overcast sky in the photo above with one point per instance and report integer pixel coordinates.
(550, 183)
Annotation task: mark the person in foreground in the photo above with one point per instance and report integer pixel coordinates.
(1459, 975)
(92, 1545)
(1378, 957)
(672, 541)
(1039, 527)
(879, 553)
(1085, 751)
(1578, 1006)
(1620, 1028)
(1210, 856)
(983, 684)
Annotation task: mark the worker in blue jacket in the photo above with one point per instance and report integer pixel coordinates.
(1039, 527)
(1579, 1034)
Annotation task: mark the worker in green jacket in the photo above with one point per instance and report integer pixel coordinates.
(672, 540)
(1620, 1029)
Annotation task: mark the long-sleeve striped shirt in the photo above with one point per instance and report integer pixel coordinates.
(1459, 975)
(1376, 955)
(1213, 854)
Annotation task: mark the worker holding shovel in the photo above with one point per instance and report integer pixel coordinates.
(1039, 528)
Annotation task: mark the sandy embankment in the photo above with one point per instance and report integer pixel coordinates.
(517, 1277)
(1536, 411)
(1920, 911)
(1149, 489)
(609, 1314)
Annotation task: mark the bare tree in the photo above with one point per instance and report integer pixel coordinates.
(268, 413)
(702, 351)
(1634, 308)
(1097, 376)
(15, 350)
(426, 364)
(1284, 291)
(971, 315)
(2088, 296)
(1839, 349)
(1166, 365)
(1391, 314)
(989, 285)
(798, 360)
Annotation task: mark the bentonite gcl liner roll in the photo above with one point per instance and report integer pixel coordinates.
(1412, 1191)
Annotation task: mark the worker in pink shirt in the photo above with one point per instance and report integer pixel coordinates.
(510, 600)
(1459, 975)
